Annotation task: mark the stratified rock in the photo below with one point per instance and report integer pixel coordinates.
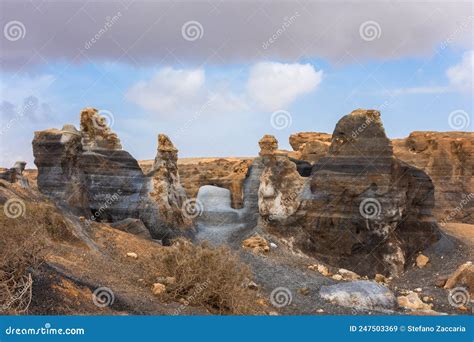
(363, 209)
(280, 184)
(88, 172)
(167, 191)
(359, 295)
(448, 158)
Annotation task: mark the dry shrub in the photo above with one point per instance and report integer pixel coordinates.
(212, 277)
(22, 245)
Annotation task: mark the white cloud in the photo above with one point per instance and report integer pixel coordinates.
(460, 75)
(179, 91)
(275, 85)
(168, 90)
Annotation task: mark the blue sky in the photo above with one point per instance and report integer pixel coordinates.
(222, 107)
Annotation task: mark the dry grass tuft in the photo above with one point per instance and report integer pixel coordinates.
(212, 277)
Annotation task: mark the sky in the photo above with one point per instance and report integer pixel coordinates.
(215, 76)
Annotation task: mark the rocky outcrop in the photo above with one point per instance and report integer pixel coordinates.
(15, 174)
(166, 189)
(280, 183)
(310, 146)
(87, 172)
(363, 209)
(448, 158)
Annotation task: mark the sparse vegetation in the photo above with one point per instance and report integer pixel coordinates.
(212, 277)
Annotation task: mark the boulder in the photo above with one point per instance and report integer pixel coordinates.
(412, 302)
(15, 174)
(360, 295)
(463, 276)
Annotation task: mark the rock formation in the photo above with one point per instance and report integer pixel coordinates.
(87, 172)
(280, 183)
(447, 157)
(166, 189)
(15, 174)
(310, 146)
(363, 209)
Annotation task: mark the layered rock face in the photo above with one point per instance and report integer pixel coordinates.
(87, 172)
(362, 208)
(448, 158)
(166, 188)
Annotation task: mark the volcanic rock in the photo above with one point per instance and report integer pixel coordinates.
(88, 173)
(363, 209)
(448, 158)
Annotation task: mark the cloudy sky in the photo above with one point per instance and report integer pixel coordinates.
(217, 75)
